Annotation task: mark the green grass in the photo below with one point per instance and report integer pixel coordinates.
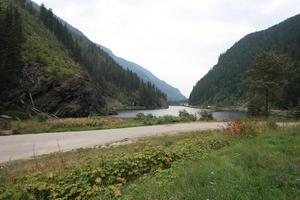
(265, 167)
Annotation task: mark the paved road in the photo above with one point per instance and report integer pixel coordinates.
(22, 146)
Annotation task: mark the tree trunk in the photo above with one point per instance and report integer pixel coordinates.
(267, 102)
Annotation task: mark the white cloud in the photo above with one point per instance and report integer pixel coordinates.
(178, 40)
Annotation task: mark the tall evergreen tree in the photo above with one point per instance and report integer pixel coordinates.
(11, 38)
(270, 75)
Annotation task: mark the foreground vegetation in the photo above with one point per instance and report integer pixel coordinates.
(244, 161)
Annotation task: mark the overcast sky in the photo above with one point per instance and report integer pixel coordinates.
(177, 40)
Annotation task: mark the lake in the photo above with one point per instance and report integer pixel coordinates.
(174, 111)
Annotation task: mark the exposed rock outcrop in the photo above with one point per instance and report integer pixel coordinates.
(72, 96)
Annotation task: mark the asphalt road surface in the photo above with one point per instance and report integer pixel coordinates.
(25, 146)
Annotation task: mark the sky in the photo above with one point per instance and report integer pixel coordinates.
(179, 41)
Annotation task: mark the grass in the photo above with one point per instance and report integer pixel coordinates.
(37, 125)
(199, 165)
(71, 124)
(265, 167)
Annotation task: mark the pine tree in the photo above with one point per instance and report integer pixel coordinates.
(270, 75)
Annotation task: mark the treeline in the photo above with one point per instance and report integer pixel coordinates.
(229, 82)
(11, 38)
(109, 77)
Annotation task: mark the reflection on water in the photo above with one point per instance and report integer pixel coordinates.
(174, 111)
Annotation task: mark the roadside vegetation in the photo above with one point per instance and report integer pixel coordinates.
(245, 160)
(42, 123)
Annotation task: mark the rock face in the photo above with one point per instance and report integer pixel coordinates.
(72, 96)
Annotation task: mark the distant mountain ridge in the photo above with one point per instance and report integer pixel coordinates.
(173, 94)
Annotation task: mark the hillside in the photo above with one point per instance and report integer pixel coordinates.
(227, 82)
(173, 94)
(60, 73)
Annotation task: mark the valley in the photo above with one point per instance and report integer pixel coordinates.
(78, 121)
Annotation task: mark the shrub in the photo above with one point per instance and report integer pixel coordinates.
(140, 116)
(206, 115)
(167, 119)
(244, 127)
(150, 117)
(183, 114)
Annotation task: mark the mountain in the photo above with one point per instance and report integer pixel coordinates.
(48, 65)
(227, 82)
(173, 94)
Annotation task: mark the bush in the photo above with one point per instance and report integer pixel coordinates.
(140, 116)
(167, 119)
(183, 114)
(244, 127)
(207, 116)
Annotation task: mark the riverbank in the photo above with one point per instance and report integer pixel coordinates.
(221, 108)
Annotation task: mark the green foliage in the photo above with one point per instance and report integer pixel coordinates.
(256, 107)
(11, 39)
(183, 114)
(105, 72)
(149, 119)
(228, 82)
(206, 115)
(140, 116)
(265, 167)
(270, 75)
(103, 177)
(59, 54)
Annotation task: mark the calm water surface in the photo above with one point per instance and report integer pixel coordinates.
(174, 111)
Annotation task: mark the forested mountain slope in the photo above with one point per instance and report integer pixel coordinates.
(227, 82)
(47, 67)
(173, 94)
